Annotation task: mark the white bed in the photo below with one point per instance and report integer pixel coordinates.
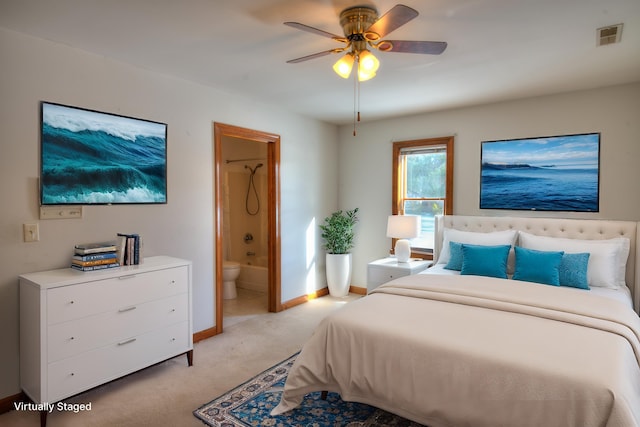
(458, 350)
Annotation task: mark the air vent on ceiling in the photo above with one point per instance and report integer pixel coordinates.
(609, 35)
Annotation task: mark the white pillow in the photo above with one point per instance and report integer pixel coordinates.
(506, 237)
(607, 258)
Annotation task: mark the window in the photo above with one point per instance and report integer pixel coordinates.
(423, 185)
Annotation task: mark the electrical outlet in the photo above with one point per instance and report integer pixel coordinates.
(31, 232)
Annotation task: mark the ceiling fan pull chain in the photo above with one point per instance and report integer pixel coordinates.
(358, 80)
(356, 96)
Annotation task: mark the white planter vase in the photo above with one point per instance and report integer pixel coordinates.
(338, 274)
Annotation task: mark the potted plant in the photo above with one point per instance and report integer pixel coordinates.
(338, 234)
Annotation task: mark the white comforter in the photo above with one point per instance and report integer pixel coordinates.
(475, 351)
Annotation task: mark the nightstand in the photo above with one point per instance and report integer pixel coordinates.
(386, 269)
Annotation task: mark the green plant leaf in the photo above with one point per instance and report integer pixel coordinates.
(338, 231)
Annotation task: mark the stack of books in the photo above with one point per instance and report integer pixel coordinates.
(95, 256)
(129, 249)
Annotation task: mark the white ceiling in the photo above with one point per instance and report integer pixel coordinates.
(498, 49)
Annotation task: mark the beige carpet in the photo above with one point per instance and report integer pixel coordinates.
(167, 394)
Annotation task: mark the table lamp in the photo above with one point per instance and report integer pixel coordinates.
(403, 227)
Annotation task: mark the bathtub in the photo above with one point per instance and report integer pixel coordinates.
(253, 277)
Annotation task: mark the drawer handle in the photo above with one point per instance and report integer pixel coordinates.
(130, 276)
(129, 341)
(123, 310)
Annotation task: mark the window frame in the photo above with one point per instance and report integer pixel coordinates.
(398, 180)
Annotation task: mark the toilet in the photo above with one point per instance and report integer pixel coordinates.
(230, 272)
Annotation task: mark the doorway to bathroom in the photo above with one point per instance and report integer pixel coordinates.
(246, 223)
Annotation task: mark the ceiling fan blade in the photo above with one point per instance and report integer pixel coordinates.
(313, 56)
(313, 30)
(407, 46)
(393, 19)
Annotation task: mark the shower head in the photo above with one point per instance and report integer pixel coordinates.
(253, 170)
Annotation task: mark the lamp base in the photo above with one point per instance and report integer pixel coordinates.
(402, 250)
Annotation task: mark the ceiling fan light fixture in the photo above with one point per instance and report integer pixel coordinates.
(367, 61)
(344, 65)
(362, 28)
(363, 76)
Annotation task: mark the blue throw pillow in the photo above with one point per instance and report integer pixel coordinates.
(538, 266)
(455, 256)
(485, 260)
(573, 270)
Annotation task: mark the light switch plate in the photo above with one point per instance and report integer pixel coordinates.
(31, 232)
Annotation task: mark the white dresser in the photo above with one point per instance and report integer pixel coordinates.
(82, 329)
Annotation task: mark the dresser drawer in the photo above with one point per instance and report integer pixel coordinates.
(78, 301)
(78, 336)
(75, 374)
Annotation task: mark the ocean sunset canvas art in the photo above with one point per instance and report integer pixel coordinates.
(556, 173)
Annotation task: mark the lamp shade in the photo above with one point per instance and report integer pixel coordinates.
(367, 62)
(403, 226)
(344, 65)
(363, 76)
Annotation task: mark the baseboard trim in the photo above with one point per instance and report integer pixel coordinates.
(357, 290)
(204, 334)
(304, 298)
(7, 403)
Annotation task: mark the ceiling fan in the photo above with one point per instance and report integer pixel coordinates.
(362, 29)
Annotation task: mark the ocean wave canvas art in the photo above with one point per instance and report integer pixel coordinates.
(556, 173)
(89, 157)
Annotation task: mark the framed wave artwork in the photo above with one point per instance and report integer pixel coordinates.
(94, 158)
(552, 173)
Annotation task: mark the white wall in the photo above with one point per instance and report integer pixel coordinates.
(365, 160)
(34, 70)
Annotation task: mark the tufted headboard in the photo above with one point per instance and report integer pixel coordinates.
(552, 227)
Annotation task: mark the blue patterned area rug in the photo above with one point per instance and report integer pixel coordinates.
(250, 404)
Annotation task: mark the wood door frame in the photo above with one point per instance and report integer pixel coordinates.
(273, 212)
